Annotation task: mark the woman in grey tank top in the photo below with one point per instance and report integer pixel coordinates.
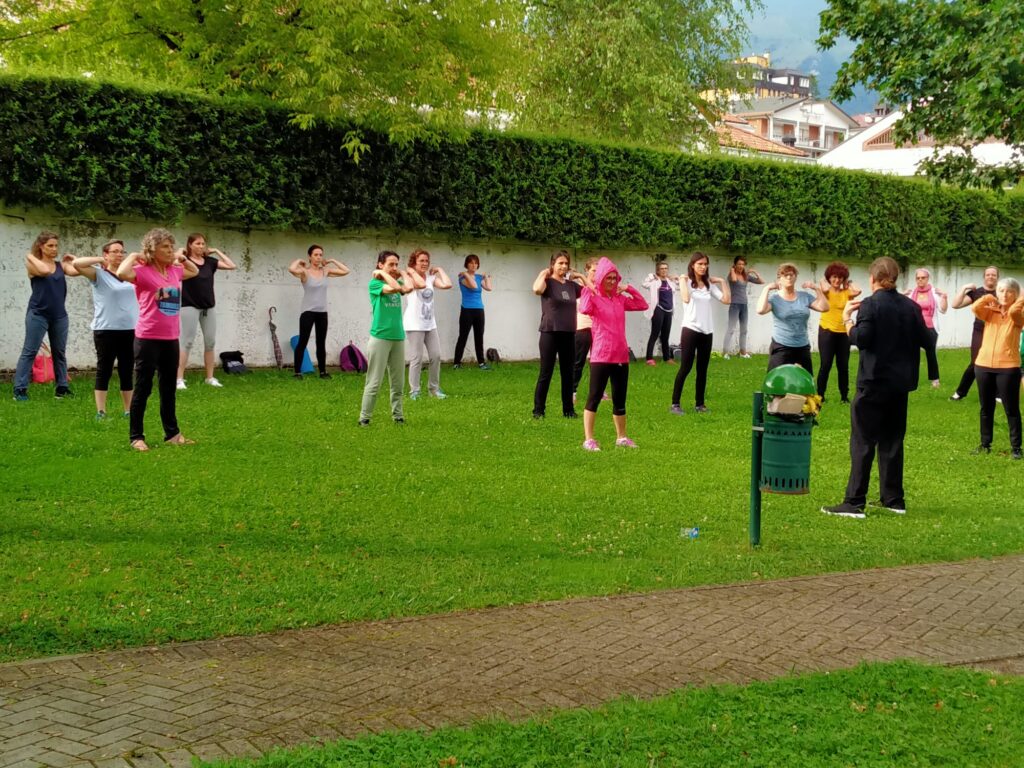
(313, 275)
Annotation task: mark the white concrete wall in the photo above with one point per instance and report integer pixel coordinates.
(262, 281)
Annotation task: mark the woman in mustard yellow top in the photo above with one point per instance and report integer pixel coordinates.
(997, 365)
(833, 342)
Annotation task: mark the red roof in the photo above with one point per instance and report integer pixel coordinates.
(733, 136)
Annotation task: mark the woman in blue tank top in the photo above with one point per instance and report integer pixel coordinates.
(472, 284)
(46, 315)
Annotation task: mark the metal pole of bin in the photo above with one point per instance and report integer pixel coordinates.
(756, 435)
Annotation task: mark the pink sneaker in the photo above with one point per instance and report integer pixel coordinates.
(625, 442)
(591, 445)
(651, 362)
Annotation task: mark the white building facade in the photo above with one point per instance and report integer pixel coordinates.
(873, 149)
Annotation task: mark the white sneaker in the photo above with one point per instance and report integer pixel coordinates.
(181, 384)
(726, 356)
(744, 355)
(212, 381)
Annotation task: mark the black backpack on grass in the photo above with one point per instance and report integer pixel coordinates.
(232, 362)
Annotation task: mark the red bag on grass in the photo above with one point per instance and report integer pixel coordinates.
(42, 367)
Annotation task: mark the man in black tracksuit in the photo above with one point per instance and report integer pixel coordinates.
(890, 333)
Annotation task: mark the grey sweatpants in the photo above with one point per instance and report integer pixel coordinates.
(383, 355)
(424, 344)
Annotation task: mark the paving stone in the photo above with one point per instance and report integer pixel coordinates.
(244, 696)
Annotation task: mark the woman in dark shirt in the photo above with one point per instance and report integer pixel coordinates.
(46, 315)
(558, 293)
(197, 305)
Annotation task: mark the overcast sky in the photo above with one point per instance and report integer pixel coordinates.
(788, 29)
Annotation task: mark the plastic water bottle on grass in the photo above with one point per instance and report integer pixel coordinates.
(689, 533)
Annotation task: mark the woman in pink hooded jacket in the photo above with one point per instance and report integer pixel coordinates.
(607, 303)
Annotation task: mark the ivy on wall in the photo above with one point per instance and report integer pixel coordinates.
(89, 149)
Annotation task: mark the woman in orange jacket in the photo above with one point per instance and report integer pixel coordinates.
(997, 365)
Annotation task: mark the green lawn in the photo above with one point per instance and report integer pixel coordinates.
(897, 714)
(286, 514)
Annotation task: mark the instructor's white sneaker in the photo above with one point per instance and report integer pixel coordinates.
(212, 381)
(181, 384)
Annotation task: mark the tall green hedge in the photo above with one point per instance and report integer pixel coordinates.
(87, 149)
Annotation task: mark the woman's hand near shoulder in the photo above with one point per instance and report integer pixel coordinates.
(223, 261)
(763, 305)
(126, 272)
(86, 266)
(541, 283)
(67, 263)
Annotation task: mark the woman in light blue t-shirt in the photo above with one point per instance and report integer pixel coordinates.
(791, 309)
(116, 312)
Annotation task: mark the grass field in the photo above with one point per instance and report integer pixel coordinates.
(875, 715)
(286, 514)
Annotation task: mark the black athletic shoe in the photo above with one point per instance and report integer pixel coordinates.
(1016, 454)
(896, 509)
(569, 414)
(399, 420)
(538, 414)
(364, 422)
(844, 510)
(61, 392)
(981, 449)
(325, 375)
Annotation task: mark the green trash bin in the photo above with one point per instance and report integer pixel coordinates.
(786, 455)
(786, 443)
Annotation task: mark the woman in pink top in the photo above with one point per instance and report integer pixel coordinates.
(932, 302)
(157, 274)
(607, 303)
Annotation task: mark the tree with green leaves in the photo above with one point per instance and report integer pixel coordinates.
(399, 67)
(956, 65)
(651, 72)
(642, 71)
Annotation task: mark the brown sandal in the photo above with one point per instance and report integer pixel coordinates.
(139, 445)
(180, 439)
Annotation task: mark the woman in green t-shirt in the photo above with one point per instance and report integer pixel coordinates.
(386, 348)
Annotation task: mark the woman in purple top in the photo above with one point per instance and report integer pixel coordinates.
(46, 315)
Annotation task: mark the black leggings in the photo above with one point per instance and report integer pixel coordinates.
(661, 327)
(834, 346)
(779, 354)
(600, 375)
(1003, 383)
(931, 356)
(560, 344)
(111, 346)
(470, 318)
(584, 339)
(157, 356)
(306, 322)
(693, 344)
(968, 378)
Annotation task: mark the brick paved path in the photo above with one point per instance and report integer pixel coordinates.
(157, 706)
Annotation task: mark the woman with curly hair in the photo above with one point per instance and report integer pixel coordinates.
(157, 274)
(833, 340)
